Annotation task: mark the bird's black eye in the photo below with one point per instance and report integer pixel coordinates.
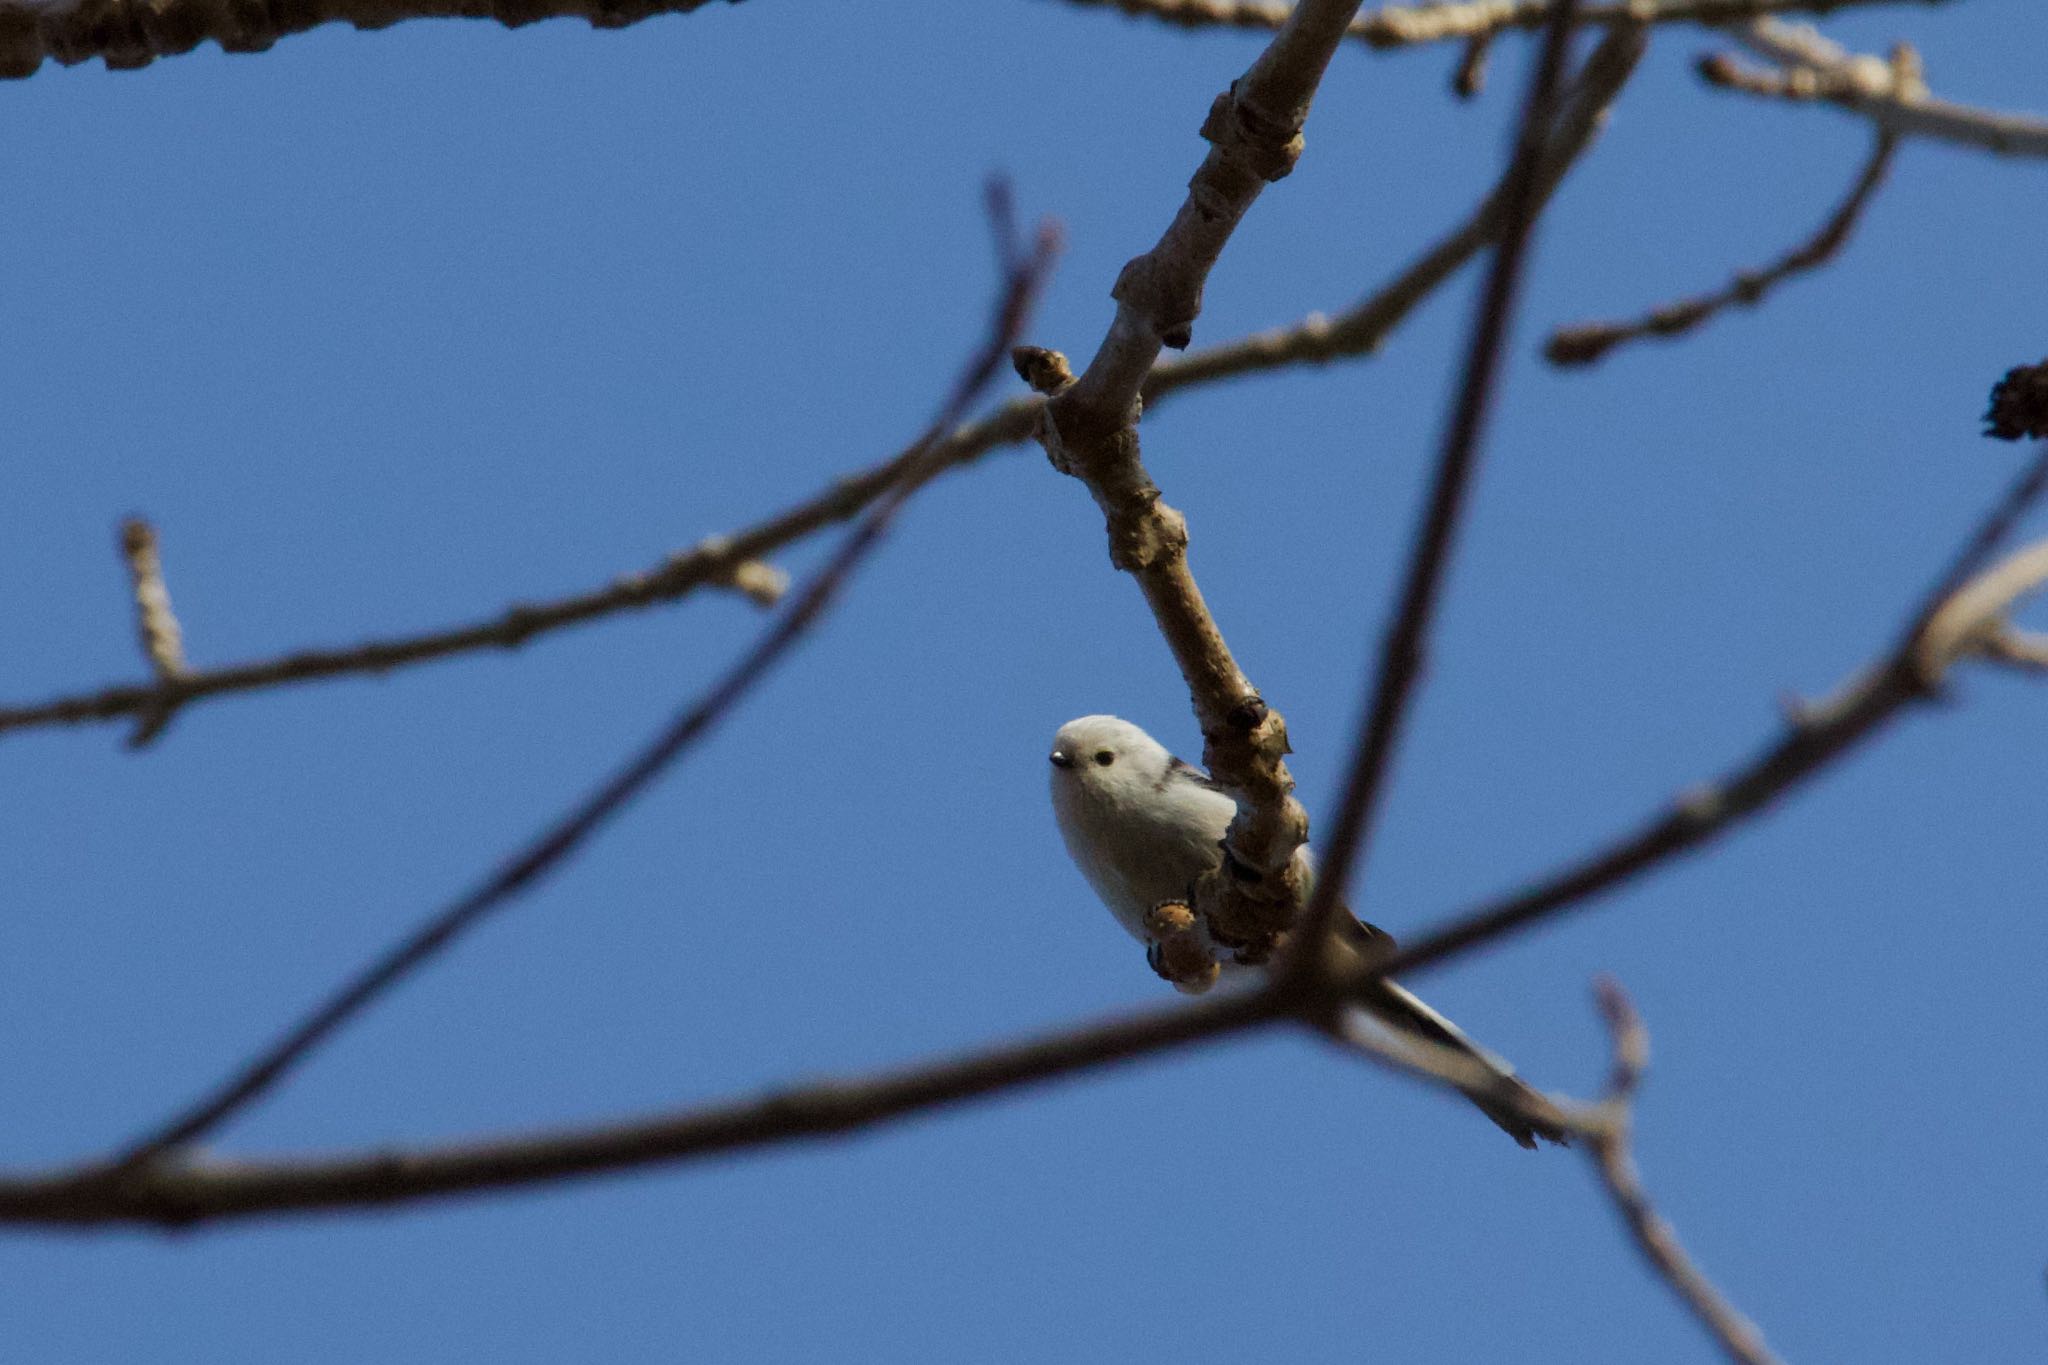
(1103, 758)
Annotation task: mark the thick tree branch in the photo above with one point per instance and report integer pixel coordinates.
(1089, 429)
(1891, 94)
(127, 34)
(1024, 273)
(1586, 342)
(1404, 647)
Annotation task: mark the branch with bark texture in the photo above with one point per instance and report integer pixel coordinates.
(1587, 342)
(1807, 67)
(1089, 428)
(1463, 20)
(128, 34)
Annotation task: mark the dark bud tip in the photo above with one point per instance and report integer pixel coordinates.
(2019, 404)
(1044, 370)
(1248, 714)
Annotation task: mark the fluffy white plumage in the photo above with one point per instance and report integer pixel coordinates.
(1143, 827)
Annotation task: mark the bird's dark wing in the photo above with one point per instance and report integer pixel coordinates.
(1180, 770)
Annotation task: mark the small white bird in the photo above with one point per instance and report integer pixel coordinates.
(1144, 826)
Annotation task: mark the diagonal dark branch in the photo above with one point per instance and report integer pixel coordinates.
(1952, 621)
(1587, 342)
(1024, 272)
(180, 1191)
(1401, 661)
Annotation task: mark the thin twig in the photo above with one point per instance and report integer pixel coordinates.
(1023, 274)
(1398, 26)
(1612, 1157)
(1586, 342)
(1402, 654)
(1945, 626)
(1891, 94)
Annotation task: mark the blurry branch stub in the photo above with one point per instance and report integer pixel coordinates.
(1891, 94)
(1408, 25)
(156, 626)
(720, 560)
(1613, 1160)
(1089, 428)
(184, 1187)
(1586, 342)
(1404, 647)
(1024, 271)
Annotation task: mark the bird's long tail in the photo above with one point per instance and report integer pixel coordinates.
(1395, 1006)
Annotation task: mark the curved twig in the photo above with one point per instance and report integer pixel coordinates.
(1587, 342)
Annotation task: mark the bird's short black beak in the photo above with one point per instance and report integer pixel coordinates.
(1062, 760)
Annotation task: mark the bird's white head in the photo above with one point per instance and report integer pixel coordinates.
(1104, 757)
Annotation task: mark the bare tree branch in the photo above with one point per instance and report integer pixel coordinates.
(1089, 428)
(1586, 342)
(1891, 94)
(128, 34)
(1656, 1239)
(1403, 648)
(186, 1189)
(1462, 20)
(1024, 272)
(1948, 625)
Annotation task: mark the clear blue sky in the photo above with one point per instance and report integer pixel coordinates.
(386, 330)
